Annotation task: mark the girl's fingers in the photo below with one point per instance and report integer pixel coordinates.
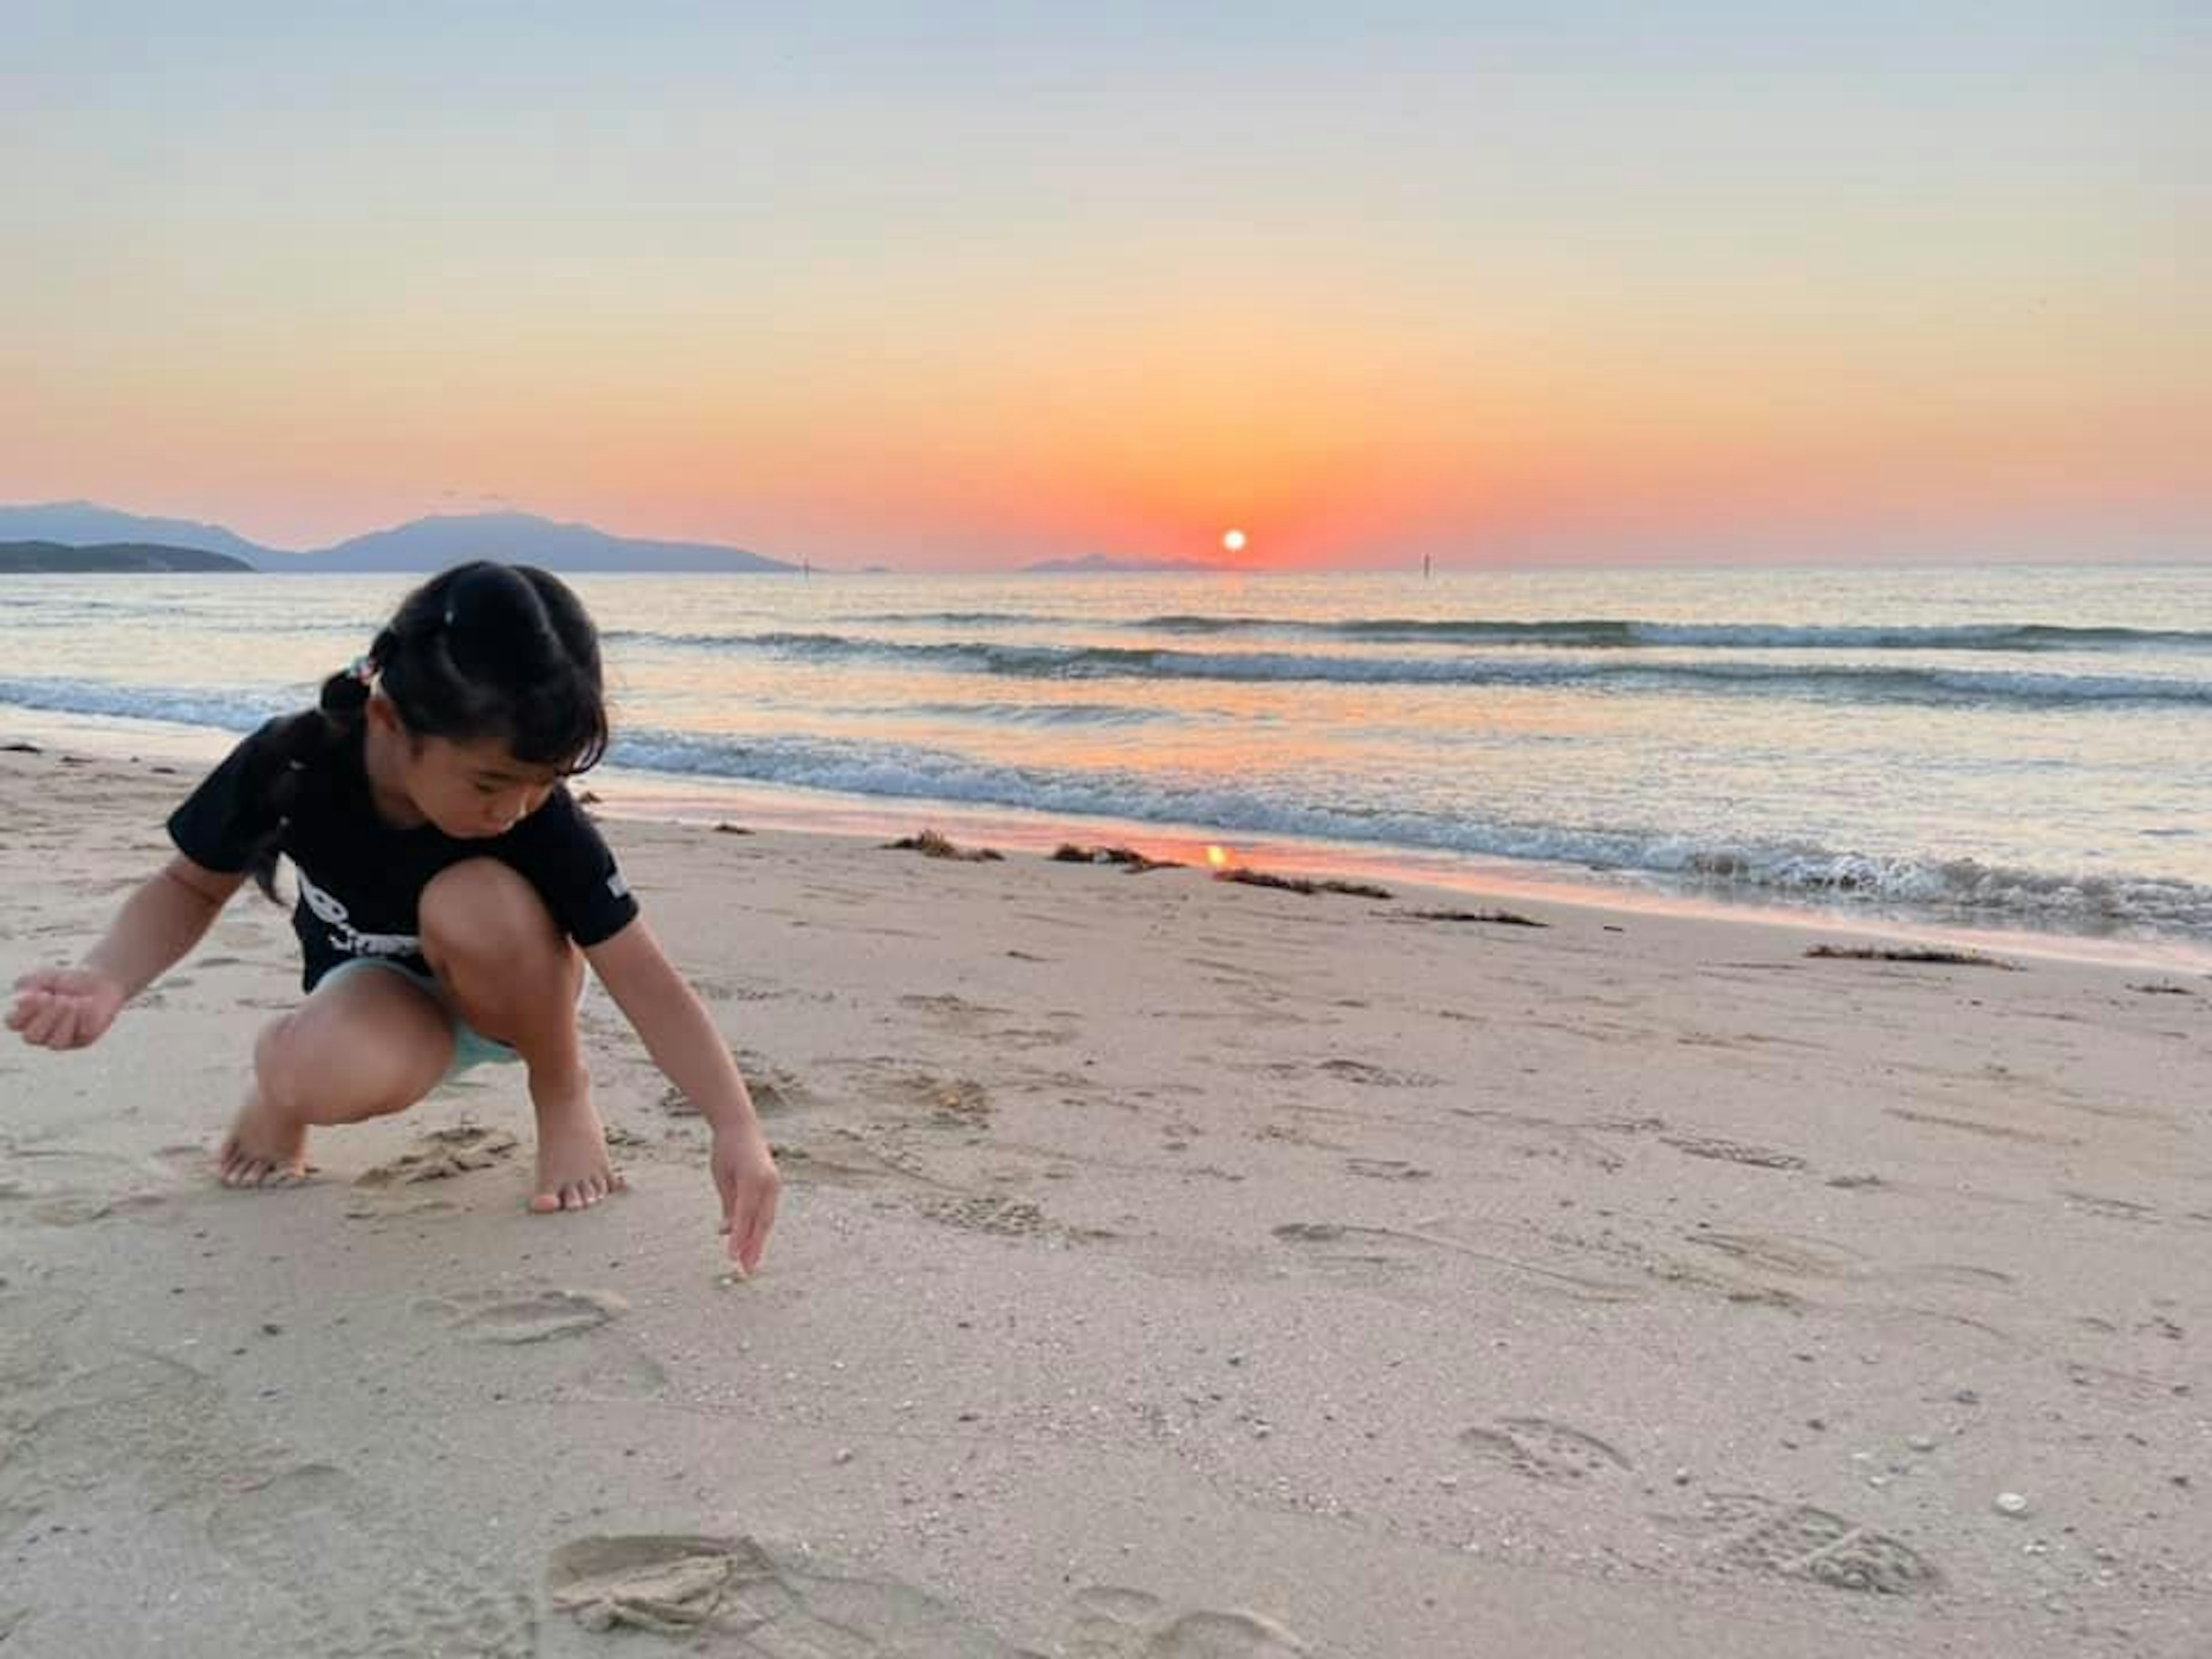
(749, 1250)
(32, 996)
(61, 1032)
(52, 1021)
(44, 1019)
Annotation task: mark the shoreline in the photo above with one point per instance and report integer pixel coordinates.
(676, 799)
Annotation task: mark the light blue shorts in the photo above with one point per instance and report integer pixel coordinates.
(471, 1048)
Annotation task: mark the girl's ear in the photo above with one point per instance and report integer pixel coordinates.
(384, 714)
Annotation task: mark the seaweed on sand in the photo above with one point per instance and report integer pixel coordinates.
(1503, 918)
(1300, 885)
(932, 845)
(1135, 862)
(1916, 953)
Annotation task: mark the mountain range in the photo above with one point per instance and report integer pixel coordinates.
(421, 545)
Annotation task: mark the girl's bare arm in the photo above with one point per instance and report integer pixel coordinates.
(679, 1034)
(158, 925)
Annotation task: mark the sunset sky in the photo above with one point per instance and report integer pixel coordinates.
(963, 286)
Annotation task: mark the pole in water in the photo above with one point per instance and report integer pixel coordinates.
(1424, 567)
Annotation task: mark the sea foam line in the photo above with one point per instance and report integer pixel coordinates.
(1848, 682)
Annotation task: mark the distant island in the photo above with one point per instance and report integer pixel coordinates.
(422, 545)
(85, 523)
(1098, 564)
(432, 543)
(56, 559)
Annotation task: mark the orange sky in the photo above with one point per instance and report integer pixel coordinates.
(1470, 288)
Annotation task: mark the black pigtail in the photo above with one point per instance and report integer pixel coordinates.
(287, 764)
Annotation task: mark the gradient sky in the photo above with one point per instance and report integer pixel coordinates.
(966, 285)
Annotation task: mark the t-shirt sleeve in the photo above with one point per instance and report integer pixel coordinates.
(224, 821)
(574, 870)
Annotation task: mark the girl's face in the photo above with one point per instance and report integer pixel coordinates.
(471, 791)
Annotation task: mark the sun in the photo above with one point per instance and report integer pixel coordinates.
(1233, 540)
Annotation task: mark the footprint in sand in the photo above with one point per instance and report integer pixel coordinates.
(1398, 1251)
(1361, 1255)
(1387, 1169)
(1540, 1449)
(1355, 1071)
(441, 1155)
(1795, 1540)
(367, 1583)
(1112, 1623)
(1796, 1255)
(2128, 1390)
(495, 1316)
(769, 1601)
(382, 1192)
(988, 1212)
(34, 1321)
(64, 1187)
(774, 1091)
(954, 1010)
(852, 1162)
(1378, 1077)
(2115, 1209)
(1731, 1152)
(950, 1103)
(624, 1374)
(141, 1431)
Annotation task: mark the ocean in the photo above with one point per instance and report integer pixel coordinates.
(1996, 748)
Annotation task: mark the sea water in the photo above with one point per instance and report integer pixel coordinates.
(1996, 747)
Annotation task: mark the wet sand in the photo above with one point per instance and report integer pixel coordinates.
(1167, 1268)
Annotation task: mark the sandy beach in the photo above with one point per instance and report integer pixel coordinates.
(1167, 1268)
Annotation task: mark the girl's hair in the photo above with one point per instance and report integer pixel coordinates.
(482, 651)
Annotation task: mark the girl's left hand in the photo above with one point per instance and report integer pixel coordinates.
(746, 1175)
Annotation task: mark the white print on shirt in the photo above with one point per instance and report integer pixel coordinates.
(346, 937)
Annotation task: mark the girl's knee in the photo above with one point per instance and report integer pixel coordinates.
(482, 913)
(326, 1082)
(366, 1046)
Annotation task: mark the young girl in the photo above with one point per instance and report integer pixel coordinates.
(446, 883)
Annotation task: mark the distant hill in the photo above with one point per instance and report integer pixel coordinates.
(432, 543)
(52, 558)
(84, 524)
(422, 546)
(1097, 564)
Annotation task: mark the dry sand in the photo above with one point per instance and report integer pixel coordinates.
(1166, 1268)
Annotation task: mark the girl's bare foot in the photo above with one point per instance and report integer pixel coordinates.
(573, 1171)
(264, 1148)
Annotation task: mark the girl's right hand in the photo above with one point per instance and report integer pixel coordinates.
(65, 1007)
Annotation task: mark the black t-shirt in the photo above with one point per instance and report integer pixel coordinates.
(360, 876)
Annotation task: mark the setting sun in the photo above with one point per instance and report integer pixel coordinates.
(1234, 541)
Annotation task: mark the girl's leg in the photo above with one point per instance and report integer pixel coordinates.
(513, 976)
(365, 1044)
